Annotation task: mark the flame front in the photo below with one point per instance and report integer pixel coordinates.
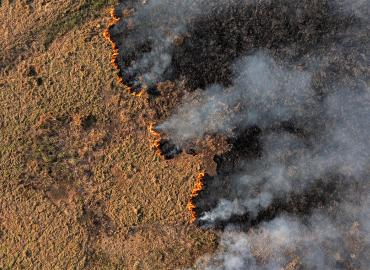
(156, 143)
(199, 185)
(113, 21)
(115, 54)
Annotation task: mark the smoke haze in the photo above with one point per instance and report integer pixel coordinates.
(300, 77)
(263, 93)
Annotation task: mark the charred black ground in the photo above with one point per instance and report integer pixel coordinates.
(294, 32)
(290, 29)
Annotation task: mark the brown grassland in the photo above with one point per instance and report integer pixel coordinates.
(81, 186)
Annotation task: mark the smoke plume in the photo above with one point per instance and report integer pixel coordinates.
(263, 93)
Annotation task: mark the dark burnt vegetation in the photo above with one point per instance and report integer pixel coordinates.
(292, 31)
(168, 149)
(289, 29)
(295, 33)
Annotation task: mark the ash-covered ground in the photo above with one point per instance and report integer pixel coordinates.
(286, 85)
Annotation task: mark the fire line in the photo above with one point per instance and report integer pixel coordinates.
(115, 54)
(156, 143)
(199, 185)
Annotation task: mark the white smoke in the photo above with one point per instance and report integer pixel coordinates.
(316, 242)
(262, 93)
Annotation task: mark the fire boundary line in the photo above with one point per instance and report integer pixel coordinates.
(199, 180)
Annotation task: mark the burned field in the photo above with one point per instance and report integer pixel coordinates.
(274, 96)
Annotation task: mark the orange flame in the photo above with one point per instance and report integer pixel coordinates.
(156, 143)
(199, 185)
(115, 54)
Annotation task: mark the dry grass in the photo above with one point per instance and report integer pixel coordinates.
(81, 187)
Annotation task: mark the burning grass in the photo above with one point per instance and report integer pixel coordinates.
(157, 143)
(198, 187)
(115, 54)
(162, 147)
(79, 13)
